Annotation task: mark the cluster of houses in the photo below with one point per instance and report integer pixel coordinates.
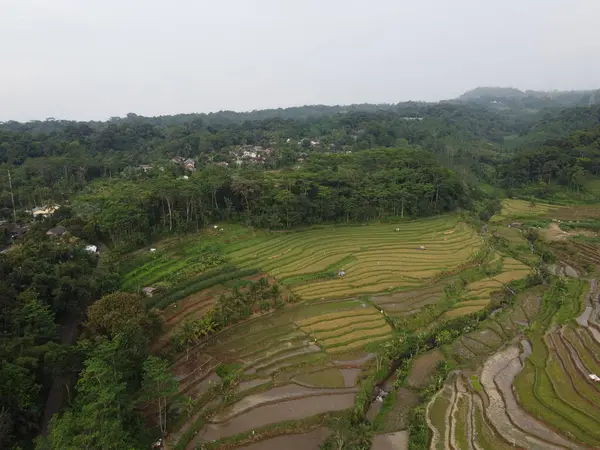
(311, 142)
(251, 154)
(14, 231)
(186, 163)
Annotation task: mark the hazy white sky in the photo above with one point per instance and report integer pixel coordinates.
(92, 59)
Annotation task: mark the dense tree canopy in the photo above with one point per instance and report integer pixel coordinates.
(42, 282)
(334, 187)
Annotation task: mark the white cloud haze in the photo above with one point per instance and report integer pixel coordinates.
(92, 59)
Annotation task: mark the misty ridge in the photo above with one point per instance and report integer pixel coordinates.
(492, 98)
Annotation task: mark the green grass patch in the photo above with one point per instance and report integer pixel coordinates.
(326, 378)
(206, 280)
(475, 383)
(571, 302)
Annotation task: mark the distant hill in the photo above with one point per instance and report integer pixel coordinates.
(496, 92)
(512, 98)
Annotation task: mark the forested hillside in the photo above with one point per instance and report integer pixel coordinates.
(511, 98)
(52, 161)
(226, 198)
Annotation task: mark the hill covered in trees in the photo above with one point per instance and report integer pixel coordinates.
(54, 161)
(131, 181)
(529, 100)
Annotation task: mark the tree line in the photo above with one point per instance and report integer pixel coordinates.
(373, 184)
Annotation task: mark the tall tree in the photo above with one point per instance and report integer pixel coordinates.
(158, 386)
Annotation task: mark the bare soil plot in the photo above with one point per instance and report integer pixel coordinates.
(251, 384)
(326, 378)
(423, 367)
(274, 395)
(412, 299)
(305, 441)
(397, 418)
(487, 336)
(576, 212)
(273, 413)
(391, 441)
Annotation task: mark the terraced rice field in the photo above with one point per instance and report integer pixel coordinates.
(292, 363)
(478, 294)
(172, 260)
(535, 395)
(405, 303)
(375, 257)
(514, 208)
(339, 332)
(578, 254)
(473, 348)
(555, 385)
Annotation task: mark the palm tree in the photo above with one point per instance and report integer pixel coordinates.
(274, 293)
(186, 336)
(225, 304)
(189, 403)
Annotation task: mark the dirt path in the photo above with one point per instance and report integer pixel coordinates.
(506, 415)
(273, 413)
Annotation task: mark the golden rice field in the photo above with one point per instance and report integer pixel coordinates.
(479, 293)
(521, 208)
(375, 258)
(345, 330)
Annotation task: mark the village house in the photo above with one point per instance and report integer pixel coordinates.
(178, 160)
(43, 211)
(13, 230)
(149, 291)
(189, 164)
(251, 154)
(222, 164)
(146, 167)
